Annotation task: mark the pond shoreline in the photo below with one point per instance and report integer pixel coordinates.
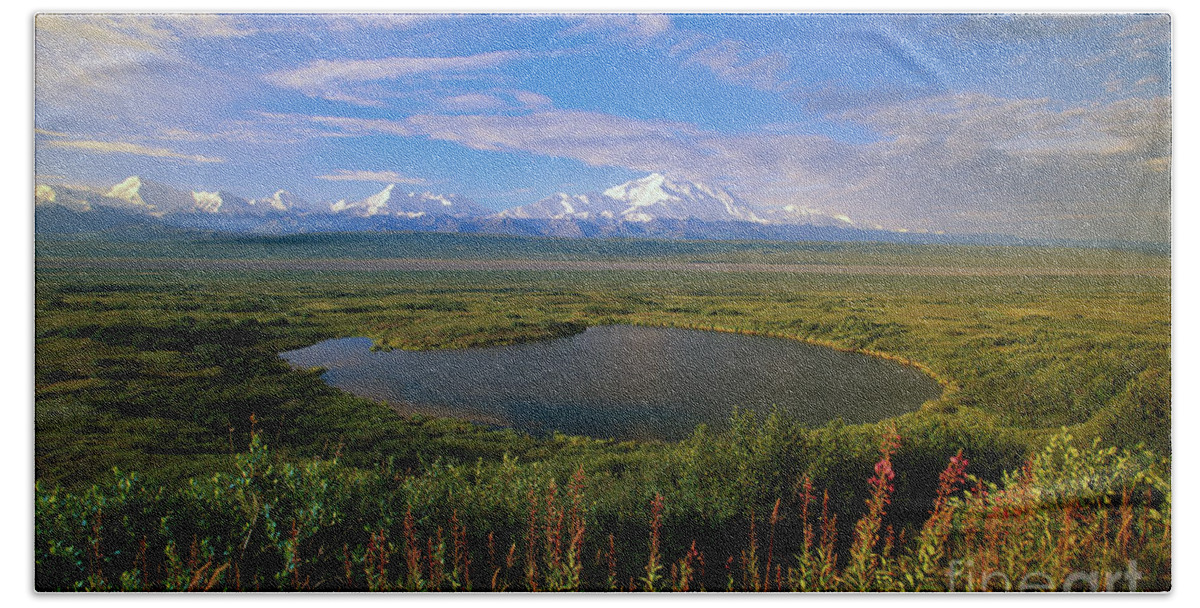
(629, 380)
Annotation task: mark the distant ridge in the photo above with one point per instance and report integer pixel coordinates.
(650, 207)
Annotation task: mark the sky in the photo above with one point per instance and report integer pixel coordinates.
(1031, 125)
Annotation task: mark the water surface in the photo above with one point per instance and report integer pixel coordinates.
(624, 382)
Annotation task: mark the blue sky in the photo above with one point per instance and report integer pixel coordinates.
(1034, 125)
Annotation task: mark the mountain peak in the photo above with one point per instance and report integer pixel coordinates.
(646, 200)
(207, 202)
(282, 200)
(642, 192)
(44, 194)
(379, 200)
(410, 205)
(128, 191)
(656, 197)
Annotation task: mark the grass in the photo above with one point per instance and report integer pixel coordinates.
(430, 245)
(275, 525)
(1052, 382)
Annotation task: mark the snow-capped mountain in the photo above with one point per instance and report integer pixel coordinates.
(386, 202)
(652, 206)
(797, 214)
(137, 195)
(655, 197)
(280, 201)
(563, 206)
(159, 199)
(72, 197)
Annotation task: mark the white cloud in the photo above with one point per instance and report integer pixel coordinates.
(967, 163)
(199, 25)
(360, 175)
(129, 75)
(468, 102)
(956, 129)
(1149, 32)
(328, 79)
(726, 59)
(640, 27)
(532, 100)
(122, 147)
(364, 126)
(254, 132)
(373, 21)
(95, 51)
(985, 164)
(753, 162)
(649, 25)
(595, 138)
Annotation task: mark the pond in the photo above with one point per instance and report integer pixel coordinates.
(624, 382)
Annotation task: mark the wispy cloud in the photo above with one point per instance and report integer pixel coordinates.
(532, 100)
(132, 74)
(955, 129)
(492, 100)
(264, 129)
(594, 138)
(468, 102)
(123, 147)
(640, 27)
(361, 175)
(328, 78)
(726, 59)
(374, 21)
(976, 163)
(200, 25)
(947, 120)
(1143, 36)
(968, 163)
(598, 139)
(361, 126)
(908, 70)
(96, 51)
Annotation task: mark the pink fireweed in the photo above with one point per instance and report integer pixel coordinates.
(863, 559)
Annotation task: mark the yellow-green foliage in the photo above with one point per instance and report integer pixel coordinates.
(160, 371)
(1071, 518)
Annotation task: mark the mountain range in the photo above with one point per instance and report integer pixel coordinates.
(653, 197)
(653, 206)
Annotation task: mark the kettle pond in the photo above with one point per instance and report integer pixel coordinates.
(625, 382)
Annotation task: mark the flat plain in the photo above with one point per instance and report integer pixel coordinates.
(159, 358)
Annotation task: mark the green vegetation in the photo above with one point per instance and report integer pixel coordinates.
(161, 371)
(317, 525)
(432, 245)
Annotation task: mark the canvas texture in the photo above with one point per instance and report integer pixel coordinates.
(602, 302)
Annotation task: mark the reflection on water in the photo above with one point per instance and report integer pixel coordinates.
(624, 382)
